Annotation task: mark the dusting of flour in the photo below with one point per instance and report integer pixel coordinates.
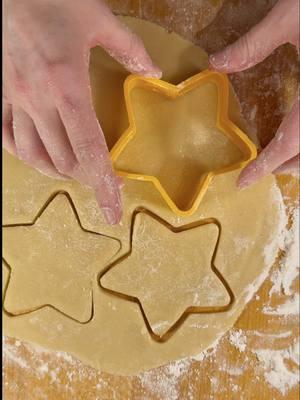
(284, 277)
(238, 339)
(276, 371)
(165, 383)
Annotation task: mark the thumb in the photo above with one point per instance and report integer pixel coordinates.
(125, 47)
(284, 146)
(280, 26)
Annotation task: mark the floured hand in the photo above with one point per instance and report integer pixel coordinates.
(280, 26)
(48, 117)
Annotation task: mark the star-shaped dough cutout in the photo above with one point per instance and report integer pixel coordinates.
(179, 137)
(169, 272)
(53, 262)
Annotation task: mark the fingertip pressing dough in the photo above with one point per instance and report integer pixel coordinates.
(116, 339)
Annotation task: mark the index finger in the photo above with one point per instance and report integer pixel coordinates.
(89, 145)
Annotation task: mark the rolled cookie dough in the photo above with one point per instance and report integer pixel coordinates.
(116, 339)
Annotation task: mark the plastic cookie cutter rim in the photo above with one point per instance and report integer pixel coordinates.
(8, 266)
(190, 310)
(235, 134)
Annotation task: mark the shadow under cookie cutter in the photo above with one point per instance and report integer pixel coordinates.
(190, 310)
(223, 122)
(40, 212)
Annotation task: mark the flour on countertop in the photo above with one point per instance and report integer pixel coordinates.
(278, 242)
(288, 270)
(290, 307)
(10, 352)
(238, 340)
(233, 371)
(273, 335)
(166, 383)
(284, 277)
(271, 250)
(276, 372)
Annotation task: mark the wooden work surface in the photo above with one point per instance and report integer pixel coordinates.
(265, 92)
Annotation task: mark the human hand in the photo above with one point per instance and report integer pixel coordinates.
(48, 117)
(280, 26)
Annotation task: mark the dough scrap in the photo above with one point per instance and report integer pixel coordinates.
(116, 340)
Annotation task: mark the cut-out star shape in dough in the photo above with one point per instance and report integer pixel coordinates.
(180, 137)
(54, 261)
(168, 271)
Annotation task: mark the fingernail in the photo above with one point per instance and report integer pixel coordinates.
(109, 215)
(220, 60)
(120, 183)
(156, 75)
(157, 72)
(152, 72)
(144, 67)
(244, 180)
(243, 184)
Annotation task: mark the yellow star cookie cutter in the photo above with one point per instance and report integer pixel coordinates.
(223, 123)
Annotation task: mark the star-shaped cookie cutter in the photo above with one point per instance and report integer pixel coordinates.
(190, 310)
(232, 131)
(8, 266)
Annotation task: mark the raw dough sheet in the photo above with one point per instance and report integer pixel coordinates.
(55, 251)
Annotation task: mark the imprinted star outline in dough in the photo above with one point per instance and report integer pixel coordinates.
(223, 122)
(10, 268)
(190, 310)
